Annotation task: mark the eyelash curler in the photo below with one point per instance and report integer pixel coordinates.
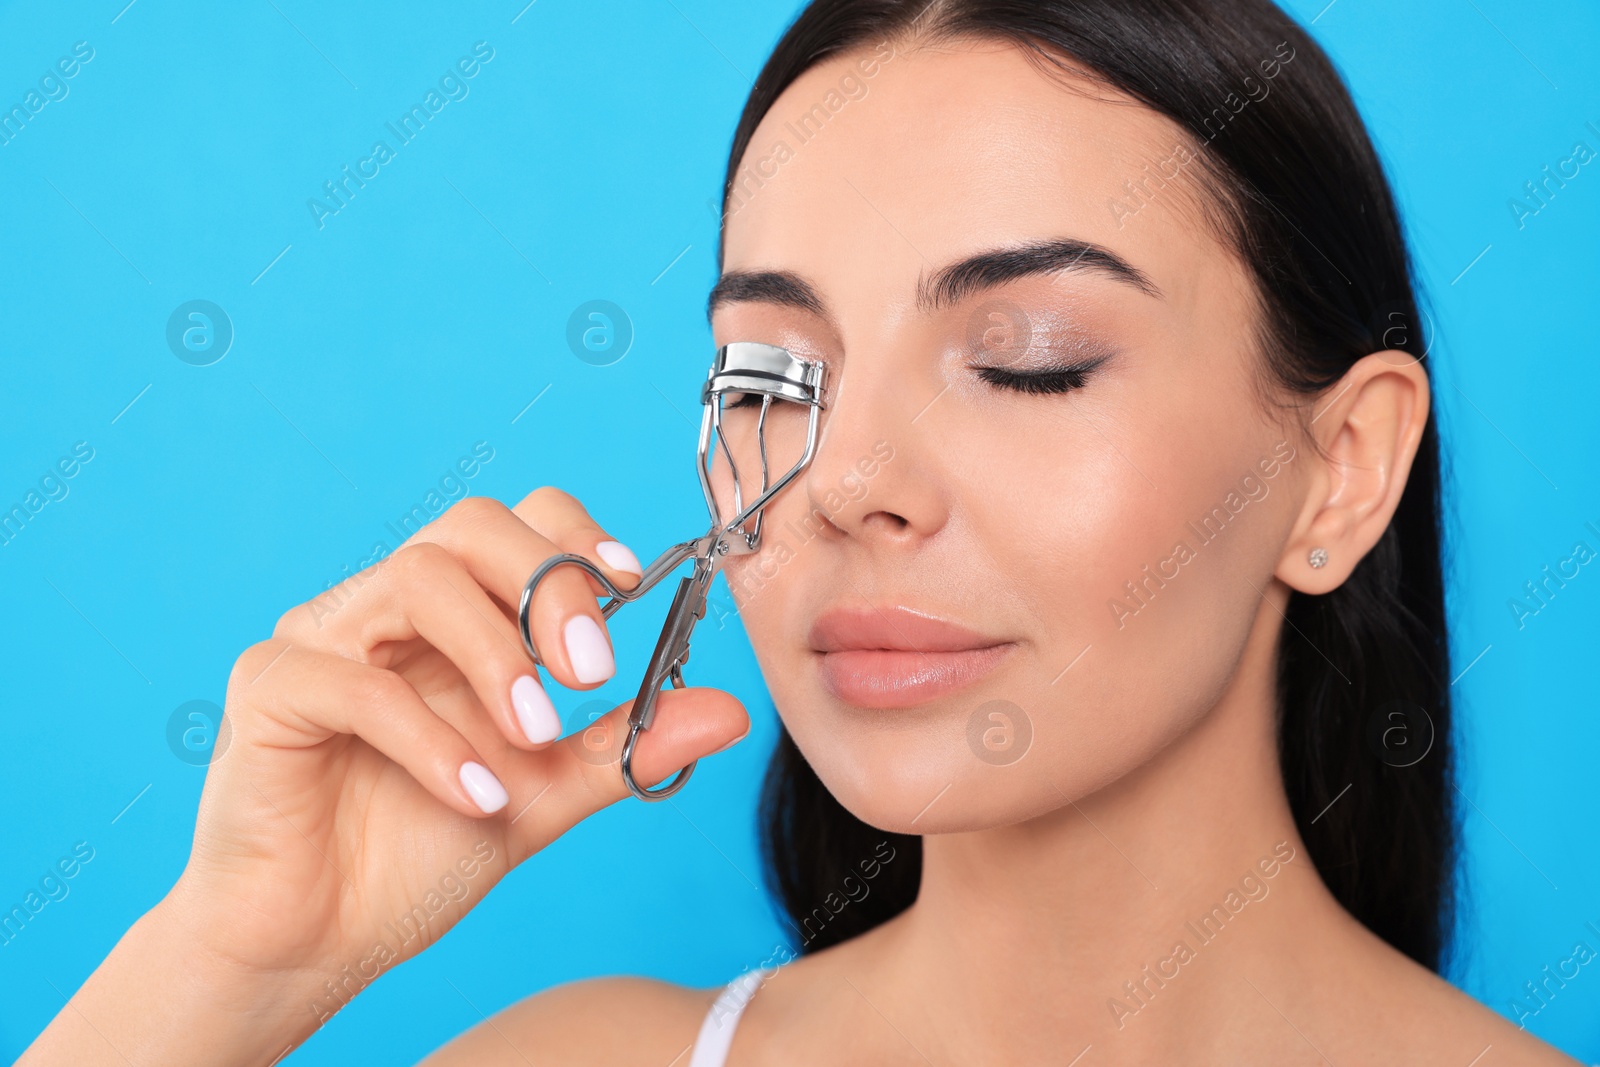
(743, 367)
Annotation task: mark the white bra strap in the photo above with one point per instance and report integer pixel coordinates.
(716, 1031)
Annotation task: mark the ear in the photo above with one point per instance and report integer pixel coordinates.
(1366, 428)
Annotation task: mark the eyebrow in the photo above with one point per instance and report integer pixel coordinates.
(948, 285)
(781, 287)
(988, 269)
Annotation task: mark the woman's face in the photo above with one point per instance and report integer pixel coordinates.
(1096, 515)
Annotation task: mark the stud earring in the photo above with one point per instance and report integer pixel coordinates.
(1318, 557)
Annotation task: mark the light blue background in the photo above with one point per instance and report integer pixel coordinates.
(429, 312)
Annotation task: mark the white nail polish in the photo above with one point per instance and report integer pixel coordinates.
(535, 714)
(735, 741)
(483, 787)
(618, 556)
(588, 649)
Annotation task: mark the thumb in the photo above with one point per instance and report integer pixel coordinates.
(585, 767)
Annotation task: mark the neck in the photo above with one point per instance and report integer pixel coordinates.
(1125, 916)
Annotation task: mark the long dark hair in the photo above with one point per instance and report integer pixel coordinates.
(1297, 187)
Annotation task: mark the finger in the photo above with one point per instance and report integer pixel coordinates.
(294, 697)
(563, 519)
(500, 551)
(585, 774)
(432, 596)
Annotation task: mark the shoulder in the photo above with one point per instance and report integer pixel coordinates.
(618, 1020)
(1461, 1021)
(1420, 1017)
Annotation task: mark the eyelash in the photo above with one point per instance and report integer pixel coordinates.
(1037, 383)
(1040, 382)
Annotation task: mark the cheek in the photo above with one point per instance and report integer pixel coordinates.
(769, 585)
(783, 436)
(1141, 574)
(720, 473)
(1100, 547)
(762, 583)
(721, 479)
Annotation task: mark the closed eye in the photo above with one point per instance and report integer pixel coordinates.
(1044, 380)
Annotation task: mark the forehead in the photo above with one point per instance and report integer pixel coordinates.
(881, 164)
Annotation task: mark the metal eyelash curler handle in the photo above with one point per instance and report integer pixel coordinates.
(742, 367)
(672, 648)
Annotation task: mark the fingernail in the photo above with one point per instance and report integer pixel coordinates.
(617, 555)
(483, 787)
(535, 714)
(735, 741)
(588, 649)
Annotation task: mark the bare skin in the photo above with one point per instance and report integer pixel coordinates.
(1136, 821)
(1149, 790)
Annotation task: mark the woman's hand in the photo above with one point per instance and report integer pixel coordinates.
(393, 755)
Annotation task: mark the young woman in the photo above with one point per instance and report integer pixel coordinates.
(1105, 626)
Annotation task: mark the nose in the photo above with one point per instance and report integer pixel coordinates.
(876, 474)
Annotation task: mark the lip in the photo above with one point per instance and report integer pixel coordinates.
(896, 657)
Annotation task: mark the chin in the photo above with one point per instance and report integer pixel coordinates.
(975, 759)
(967, 761)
